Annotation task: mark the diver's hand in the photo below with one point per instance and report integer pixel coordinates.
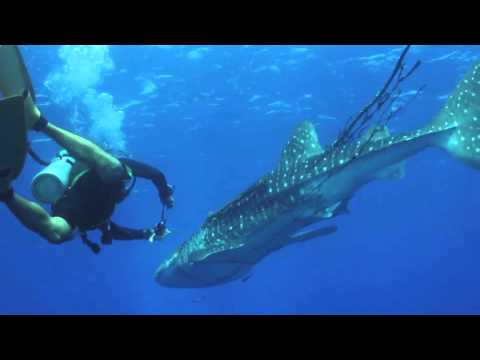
(169, 202)
(4, 186)
(159, 232)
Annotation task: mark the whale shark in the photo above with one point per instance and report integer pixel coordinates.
(311, 184)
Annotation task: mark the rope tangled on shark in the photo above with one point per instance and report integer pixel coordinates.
(379, 108)
(356, 126)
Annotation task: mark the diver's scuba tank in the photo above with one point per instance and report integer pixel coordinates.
(49, 184)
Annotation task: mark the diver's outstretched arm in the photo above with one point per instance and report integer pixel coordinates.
(54, 229)
(123, 233)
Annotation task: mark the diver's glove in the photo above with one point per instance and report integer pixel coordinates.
(167, 197)
(40, 124)
(159, 232)
(7, 196)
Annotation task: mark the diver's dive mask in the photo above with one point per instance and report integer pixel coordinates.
(50, 184)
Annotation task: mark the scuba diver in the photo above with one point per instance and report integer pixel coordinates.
(83, 184)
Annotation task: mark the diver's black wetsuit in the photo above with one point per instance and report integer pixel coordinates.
(90, 202)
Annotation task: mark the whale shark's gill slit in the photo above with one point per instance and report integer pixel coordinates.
(220, 279)
(200, 280)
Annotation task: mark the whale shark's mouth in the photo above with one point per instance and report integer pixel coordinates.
(203, 274)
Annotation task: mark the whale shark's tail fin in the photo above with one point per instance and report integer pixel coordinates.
(461, 114)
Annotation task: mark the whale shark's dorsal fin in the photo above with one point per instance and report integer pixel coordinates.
(302, 145)
(375, 133)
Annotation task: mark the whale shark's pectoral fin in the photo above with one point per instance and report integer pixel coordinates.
(339, 208)
(342, 208)
(309, 235)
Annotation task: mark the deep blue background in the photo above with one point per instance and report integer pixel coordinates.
(408, 246)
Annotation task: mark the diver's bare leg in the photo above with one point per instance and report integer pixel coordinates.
(54, 229)
(109, 168)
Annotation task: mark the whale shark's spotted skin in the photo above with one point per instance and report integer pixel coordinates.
(310, 184)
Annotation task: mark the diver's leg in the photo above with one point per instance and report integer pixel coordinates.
(108, 167)
(54, 229)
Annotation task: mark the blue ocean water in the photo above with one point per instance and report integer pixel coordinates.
(214, 119)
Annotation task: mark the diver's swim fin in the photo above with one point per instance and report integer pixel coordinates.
(13, 136)
(14, 77)
(15, 80)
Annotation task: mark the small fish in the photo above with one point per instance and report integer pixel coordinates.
(41, 140)
(198, 299)
(281, 104)
(195, 127)
(274, 68)
(301, 50)
(246, 278)
(254, 98)
(148, 88)
(163, 76)
(130, 104)
(326, 117)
